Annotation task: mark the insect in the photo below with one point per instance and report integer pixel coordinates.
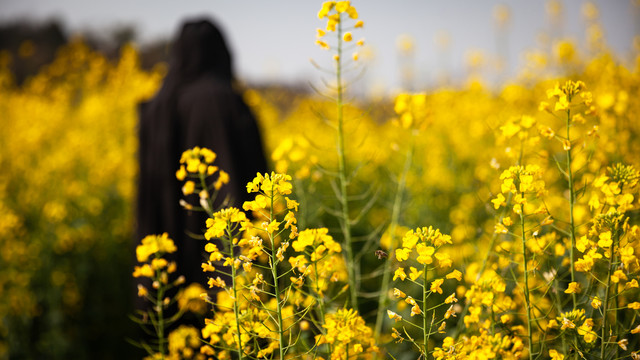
(381, 254)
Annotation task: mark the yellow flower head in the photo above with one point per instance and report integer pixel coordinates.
(398, 293)
(574, 288)
(271, 185)
(402, 254)
(333, 11)
(444, 261)
(188, 187)
(153, 244)
(196, 160)
(414, 273)
(455, 274)
(634, 305)
(347, 332)
(555, 355)
(223, 178)
(223, 220)
(399, 273)
(435, 286)
(413, 111)
(425, 253)
(394, 316)
(451, 299)
(316, 238)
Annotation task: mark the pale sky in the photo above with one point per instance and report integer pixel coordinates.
(274, 40)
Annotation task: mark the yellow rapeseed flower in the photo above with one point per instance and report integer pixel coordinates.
(414, 273)
(435, 286)
(455, 274)
(399, 273)
(394, 316)
(555, 355)
(574, 288)
(402, 254)
(153, 244)
(188, 187)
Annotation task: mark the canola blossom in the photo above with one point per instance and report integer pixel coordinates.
(448, 223)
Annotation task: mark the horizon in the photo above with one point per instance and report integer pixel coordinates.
(276, 54)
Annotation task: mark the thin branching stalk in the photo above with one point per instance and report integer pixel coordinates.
(383, 299)
(604, 339)
(160, 309)
(494, 236)
(526, 283)
(320, 299)
(425, 333)
(236, 309)
(343, 178)
(274, 273)
(572, 199)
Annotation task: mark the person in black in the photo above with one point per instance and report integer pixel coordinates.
(197, 105)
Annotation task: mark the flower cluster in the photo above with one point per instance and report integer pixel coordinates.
(412, 111)
(616, 188)
(269, 201)
(423, 242)
(253, 315)
(348, 336)
(196, 167)
(295, 152)
(565, 102)
(520, 182)
(524, 127)
(336, 13)
(565, 94)
(487, 296)
(320, 259)
(157, 269)
(482, 346)
(184, 343)
(422, 245)
(558, 280)
(190, 299)
(150, 252)
(227, 331)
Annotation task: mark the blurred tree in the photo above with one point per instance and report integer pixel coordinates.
(31, 45)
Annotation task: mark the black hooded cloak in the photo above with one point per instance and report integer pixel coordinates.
(196, 106)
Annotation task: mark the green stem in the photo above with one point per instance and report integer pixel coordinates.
(160, 310)
(558, 304)
(318, 296)
(274, 273)
(572, 199)
(320, 299)
(281, 341)
(236, 310)
(606, 302)
(342, 174)
(526, 284)
(383, 299)
(425, 333)
(494, 237)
